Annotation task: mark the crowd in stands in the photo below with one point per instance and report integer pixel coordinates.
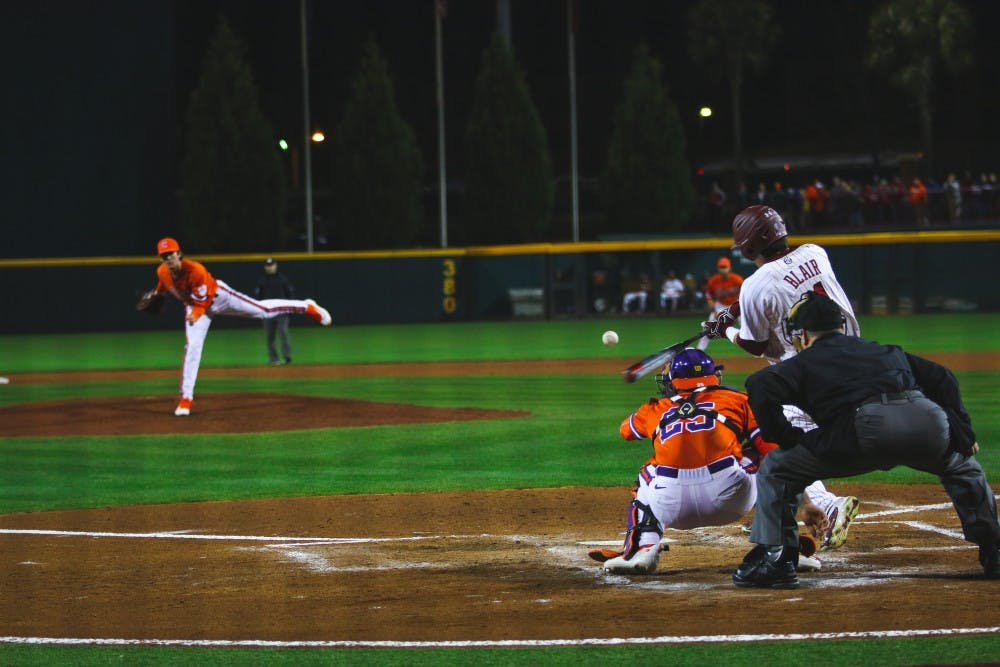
(840, 203)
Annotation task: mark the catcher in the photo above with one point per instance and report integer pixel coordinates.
(204, 297)
(701, 474)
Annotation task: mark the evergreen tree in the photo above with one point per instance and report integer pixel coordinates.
(232, 181)
(646, 185)
(378, 168)
(912, 41)
(728, 37)
(508, 180)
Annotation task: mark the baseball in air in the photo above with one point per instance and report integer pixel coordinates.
(609, 338)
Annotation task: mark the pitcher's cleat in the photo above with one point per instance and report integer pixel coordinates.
(318, 313)
(183, 408)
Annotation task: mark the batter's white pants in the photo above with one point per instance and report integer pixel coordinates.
(694, 498)
(817, 490)
(227, 302)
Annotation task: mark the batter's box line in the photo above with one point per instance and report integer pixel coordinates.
(283, 541)
(903, 509)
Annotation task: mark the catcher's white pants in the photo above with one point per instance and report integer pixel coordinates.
(227, 302)
(696, 497)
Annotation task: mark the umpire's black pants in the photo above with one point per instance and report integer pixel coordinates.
(910, 431)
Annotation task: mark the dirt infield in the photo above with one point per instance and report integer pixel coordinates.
(463, 566)
(493, 565)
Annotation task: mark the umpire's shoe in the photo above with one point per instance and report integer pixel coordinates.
(768, 567)
(989, 556)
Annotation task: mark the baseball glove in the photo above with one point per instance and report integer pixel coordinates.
(808, 545)
(814, 522)
(150, 302)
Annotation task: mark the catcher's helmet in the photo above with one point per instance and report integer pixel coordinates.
(755, 228)
(689, 369)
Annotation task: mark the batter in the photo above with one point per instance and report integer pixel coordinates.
(783, 275)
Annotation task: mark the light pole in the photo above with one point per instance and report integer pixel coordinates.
(305, 126)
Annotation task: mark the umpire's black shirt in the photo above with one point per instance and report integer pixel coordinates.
(831, 378)
(274, 286)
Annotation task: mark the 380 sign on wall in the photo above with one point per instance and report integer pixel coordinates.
(448, 272)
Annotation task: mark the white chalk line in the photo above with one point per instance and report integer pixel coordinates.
(295, 549)
(501, 643)
(186, 535)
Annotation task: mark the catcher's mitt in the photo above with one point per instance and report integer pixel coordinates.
(815, 522)
(150, 302)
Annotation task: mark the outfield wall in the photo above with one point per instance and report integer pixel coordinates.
(927, 271)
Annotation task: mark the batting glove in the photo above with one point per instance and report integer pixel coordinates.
(717, 328)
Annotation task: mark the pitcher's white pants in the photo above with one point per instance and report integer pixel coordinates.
(227, 302)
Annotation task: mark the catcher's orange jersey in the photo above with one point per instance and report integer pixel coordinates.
(716, 422)
(195, 286)
(725, 291)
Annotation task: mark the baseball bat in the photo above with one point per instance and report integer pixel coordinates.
(658, 359)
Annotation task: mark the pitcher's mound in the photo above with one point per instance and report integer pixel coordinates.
(219, 413)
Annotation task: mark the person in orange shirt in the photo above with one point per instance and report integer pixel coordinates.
(918, 200)
(721, 291)
(204, 297)
(700, 473)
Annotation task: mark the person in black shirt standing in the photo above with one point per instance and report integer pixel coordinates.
(274, 285)
(876, 407)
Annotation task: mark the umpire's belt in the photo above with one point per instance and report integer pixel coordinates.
(713, 467)
(908, 395)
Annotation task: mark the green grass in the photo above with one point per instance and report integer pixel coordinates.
(572, 418)
(236, 345)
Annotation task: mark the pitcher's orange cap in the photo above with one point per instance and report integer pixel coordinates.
(724, 263)
(167, 245)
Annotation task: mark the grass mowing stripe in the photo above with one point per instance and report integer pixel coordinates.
(241, 343)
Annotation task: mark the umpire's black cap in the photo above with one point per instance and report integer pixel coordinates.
(816, 312)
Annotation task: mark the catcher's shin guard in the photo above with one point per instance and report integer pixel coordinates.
(640, 520)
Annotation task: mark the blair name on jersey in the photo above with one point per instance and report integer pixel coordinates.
(804, 272)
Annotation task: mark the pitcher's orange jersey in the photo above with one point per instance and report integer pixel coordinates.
(195, 286)
(725, 291)
(708, 434)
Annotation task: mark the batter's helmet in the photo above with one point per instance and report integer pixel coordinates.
(755, 228)
(689, 369)
(167, 245)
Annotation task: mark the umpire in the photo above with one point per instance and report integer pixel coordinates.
(274, 285)
(876, 407)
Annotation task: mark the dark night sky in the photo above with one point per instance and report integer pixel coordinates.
(97, 92)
